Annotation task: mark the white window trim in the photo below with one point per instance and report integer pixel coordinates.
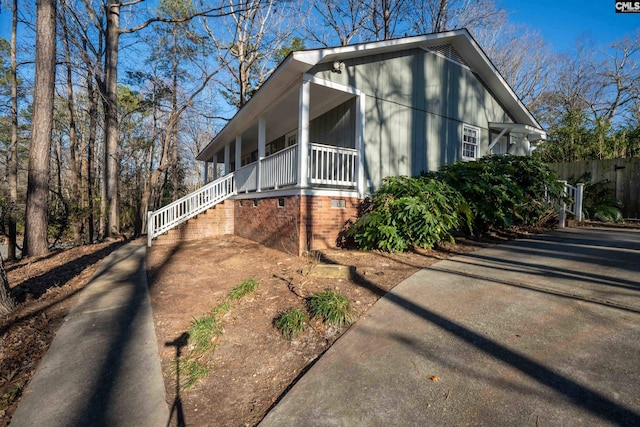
(476, 144)
(290, 134)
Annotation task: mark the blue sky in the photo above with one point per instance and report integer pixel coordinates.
(562, 21)
(559, 21)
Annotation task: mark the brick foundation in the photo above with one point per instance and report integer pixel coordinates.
(292, 224)
(300, 224)
(216, 221)
(323, 218)
(264, 221)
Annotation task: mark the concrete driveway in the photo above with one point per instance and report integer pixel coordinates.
(539, 332)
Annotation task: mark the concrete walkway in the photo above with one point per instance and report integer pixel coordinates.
(103, 367)
(537, 332)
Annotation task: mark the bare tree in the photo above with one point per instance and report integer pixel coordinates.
(247, 44)
(7, 304)
(13, 159)
(343, 20)
(431, 16)
(108, 90)
(165, 160)
(73, 140)
(36, 220)
(520, 54)
(385, 17)
(618, 79)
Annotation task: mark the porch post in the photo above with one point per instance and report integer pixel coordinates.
(206, 173)
(227, 160)
(238, 152)
(360, 111)
(262, 136)
(579, 200)
(303, 134)
(214, 162)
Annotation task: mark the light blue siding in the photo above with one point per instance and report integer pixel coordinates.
(416, 103)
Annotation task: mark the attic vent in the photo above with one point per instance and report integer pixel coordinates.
(448, 51)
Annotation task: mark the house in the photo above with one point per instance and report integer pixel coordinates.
(330, 124)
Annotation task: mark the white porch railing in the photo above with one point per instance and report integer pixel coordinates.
(279, 169)
(575, 208)
(187, 207)
(330, 165)
(247, 178)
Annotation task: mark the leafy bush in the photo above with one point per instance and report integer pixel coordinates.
(504, 190)
(411, 211)
(333, 308)
(598, 202)
(291, 323)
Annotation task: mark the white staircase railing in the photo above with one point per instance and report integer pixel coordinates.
(575, 208)
(185, 208)
(328, 166)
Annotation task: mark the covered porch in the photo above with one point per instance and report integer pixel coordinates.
(514, 138)
(309, 137)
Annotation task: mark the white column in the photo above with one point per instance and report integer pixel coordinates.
(303, 134)
(227, 160)
(360, 111)
(206, 173)
(262, 137)
(214, 162)
(262, 142)
(238, 152)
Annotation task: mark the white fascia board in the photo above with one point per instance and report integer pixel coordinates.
(282, 79)
(481, 64)
(517, 127)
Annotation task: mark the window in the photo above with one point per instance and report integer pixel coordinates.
(292, 138)
(470, 142)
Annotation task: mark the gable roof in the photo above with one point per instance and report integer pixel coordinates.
(288, 73)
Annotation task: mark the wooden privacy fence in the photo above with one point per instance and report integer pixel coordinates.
(623, 176)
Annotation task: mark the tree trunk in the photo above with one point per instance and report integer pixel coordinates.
(13, 157)
(7, 305)
(42, 125)
(175, 176)
(110, 167)
(73, 147)
(91, 143)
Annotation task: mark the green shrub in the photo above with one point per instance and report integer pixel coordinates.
(409, 211)
(291, 323)
(504, 190)
(333, 308)
(598, 201)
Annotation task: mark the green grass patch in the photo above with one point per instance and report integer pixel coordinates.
(291, 323)
(244, 288)
(202, 332)
(333, 308)
(221, 309)
(192, 371)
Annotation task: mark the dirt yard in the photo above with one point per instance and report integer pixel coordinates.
(47, 288)
(253, 365)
